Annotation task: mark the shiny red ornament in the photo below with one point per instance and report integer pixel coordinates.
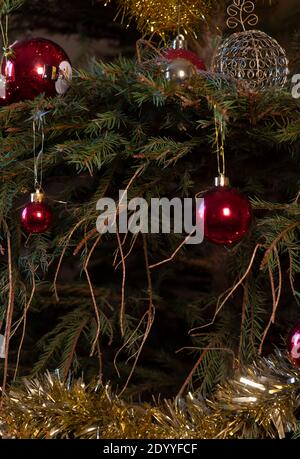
(36, 217)
(35, 66)
(227, 215)
(172, 54)
(294, 345)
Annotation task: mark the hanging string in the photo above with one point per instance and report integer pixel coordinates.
(38, 123)
(178, 18)
(38, 127)
(7, 51)
(220, 139)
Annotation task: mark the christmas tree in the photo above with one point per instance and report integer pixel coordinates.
(104, 322)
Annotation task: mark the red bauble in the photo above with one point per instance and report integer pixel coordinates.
(294, 345)
(36, 66)
(36, 217)
(172, 54)
(227, 215)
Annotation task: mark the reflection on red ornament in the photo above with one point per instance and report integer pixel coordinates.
(294, 345)
(227, 215)
(226, 212)
(40, 70)
(172, 54)
(5, 91)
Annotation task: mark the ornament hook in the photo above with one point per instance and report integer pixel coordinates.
(241, 12)
(179, 42)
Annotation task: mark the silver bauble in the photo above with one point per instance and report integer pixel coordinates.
(253, 58)
(179, 71)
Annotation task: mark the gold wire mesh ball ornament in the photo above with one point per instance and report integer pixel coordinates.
(162, 16)
(251, 57)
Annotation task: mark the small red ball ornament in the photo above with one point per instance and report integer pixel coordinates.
(36, 217)
(33, 67)
(294, 345)
(226, 213)
(180, 51)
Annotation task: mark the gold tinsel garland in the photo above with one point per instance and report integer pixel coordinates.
(260, 403)
(162, 16)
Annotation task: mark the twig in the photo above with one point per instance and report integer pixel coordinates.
(150, 313)
(135, 175)
(85, 268)
(252, 325)
(99, 353)
(276, 299)
(71, 355)
(208, 264)
(275, 242)
(148, 43)
(194, 348)
(232, 290)
(89, 235)
(149, 280)
(291, 275)
(244, 308)
(62, 256)
(117, 250)
(190, 376)
(127, 342)
(122, 310)
(26, 308)
(9, 314)
(129, 251)
(280, 279)
(173, 254)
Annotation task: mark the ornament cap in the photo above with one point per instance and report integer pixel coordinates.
(179, 42)
(221, 180)
(37, 196)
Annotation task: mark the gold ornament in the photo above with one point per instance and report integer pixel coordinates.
(162, 16)
(261, 402)
(252, 57)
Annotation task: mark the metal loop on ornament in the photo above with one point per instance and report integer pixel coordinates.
(7, 51)
(236, 17)
(179, 42)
